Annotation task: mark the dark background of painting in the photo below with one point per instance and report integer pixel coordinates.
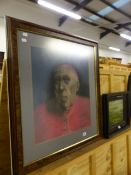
(43, 63)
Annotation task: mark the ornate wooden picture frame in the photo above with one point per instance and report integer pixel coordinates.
(53, 94)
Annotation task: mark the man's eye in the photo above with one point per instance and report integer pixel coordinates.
(66, 79)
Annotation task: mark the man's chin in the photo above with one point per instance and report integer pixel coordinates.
(62, 99)
(63, 103)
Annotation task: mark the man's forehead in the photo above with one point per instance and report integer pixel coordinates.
(68, 69)
(64, 72)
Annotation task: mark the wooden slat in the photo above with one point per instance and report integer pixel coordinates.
(104, 160)
(5, 163)
(120, 157)
(93, 164)
(129, 153)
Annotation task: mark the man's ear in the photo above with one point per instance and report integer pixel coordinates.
(77, 86)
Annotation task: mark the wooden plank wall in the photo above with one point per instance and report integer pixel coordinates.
(110, 158)
(113, 78)
(5, 163)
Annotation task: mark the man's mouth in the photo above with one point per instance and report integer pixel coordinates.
(63, 97)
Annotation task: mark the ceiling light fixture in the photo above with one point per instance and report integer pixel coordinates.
(58, 9)
(125, 36)
(115, 49)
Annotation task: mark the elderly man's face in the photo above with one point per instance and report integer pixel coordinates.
(66, 86)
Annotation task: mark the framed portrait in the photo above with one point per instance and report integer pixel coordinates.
(53, 94)
(115, 113)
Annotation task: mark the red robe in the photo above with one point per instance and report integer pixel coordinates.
(49, 125)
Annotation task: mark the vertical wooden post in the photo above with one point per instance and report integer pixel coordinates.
(114, 159)
(5, 160)
(129, 153)
(93, 164)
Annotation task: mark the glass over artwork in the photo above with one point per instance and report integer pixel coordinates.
(115, 112)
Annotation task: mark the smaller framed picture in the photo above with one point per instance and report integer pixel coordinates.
(115, 113)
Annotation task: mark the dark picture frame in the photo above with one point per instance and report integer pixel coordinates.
(1, 59)
(115, 109)
(34, 52)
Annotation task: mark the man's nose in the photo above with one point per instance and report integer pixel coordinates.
(61, 85)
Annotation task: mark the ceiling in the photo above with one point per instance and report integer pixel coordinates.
(108, 16)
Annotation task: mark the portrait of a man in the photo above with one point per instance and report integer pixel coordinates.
(65, 111)
(58, 93)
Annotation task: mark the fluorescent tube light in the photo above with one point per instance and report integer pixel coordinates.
(58, 9)
(125, 36)
(113, 48)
